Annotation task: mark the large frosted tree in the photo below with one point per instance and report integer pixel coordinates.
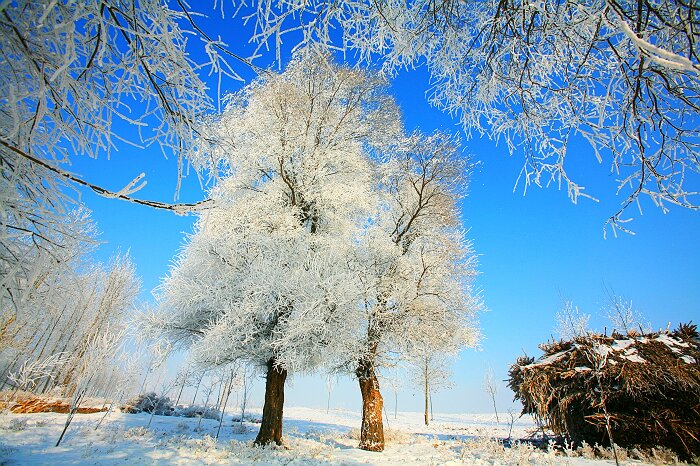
(417, 268)
(265, 278)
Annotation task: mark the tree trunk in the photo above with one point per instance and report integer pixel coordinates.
(182, 387)
(271, 425)
(432, 418)
(427, 392)
(196, 390)
(372, 431)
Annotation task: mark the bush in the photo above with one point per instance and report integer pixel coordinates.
(149, 403)
(161, 405)
(198, 411)
(247, 418)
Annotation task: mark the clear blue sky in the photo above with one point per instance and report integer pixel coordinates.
(534, 250)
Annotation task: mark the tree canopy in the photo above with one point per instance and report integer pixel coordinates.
(623, 76)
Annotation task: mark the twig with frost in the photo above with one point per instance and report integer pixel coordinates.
(30, 372)
(123, 194)
(227, 393)
(99, 348)
(491, 387)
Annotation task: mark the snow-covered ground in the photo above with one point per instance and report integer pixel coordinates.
(312, 436)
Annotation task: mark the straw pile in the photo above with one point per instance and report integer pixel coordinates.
(644, 388)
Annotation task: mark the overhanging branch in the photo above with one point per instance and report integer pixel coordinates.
(180, 209)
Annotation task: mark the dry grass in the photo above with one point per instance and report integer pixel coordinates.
(28, 403)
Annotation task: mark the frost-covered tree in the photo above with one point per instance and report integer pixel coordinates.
(58, 303)
(417, 267)
(623, 75)
(73, 76)
(491, 388)
(79, 77)
(430, 371)
(624, 317)
(394, 379)
(571, 323)
(265, 278)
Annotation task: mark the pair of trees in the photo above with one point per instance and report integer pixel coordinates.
(624, 318)
(335, 239)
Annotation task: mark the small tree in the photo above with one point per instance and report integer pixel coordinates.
(223, 403)
(571, 323)
(209, 389)
(395, 381)
(622, 314)
(245, 385)
(330, 383)
(430, 372)
(182, 378)
(491, 388)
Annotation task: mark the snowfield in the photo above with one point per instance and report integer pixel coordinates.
(312, 437)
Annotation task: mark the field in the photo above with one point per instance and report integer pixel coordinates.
(312, 437)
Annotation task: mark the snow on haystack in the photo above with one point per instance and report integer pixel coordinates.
(644, 387)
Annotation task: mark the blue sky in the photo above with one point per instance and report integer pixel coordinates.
(534, 251)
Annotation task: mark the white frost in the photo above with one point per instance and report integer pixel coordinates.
(671, 342)
(620, 345)
(552, 358)
(634, 358)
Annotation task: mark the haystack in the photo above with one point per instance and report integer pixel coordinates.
(644, 387)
